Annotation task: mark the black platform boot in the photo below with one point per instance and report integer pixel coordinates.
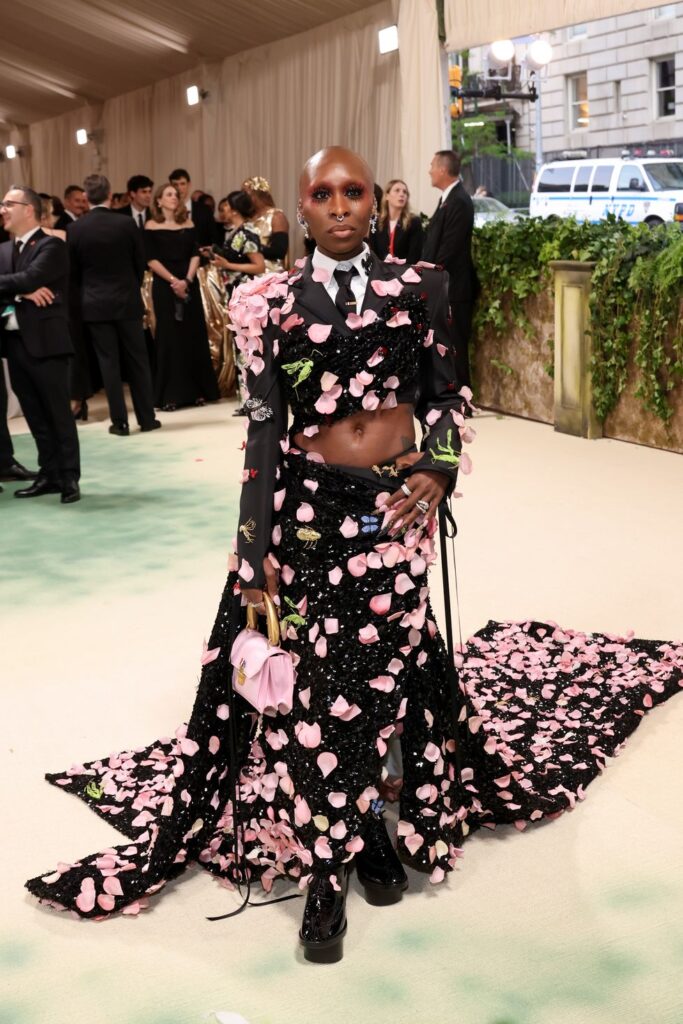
(324, 923)
(380, 872)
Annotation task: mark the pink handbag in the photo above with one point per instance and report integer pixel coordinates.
(262, 672)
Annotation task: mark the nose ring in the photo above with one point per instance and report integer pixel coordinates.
(340, 219)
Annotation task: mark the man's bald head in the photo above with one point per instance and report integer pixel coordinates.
(333, 156)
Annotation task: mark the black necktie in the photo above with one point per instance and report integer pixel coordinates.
(345, 300)
(16, 253)
(141, 220)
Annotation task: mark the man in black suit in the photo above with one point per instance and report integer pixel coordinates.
(140, 192)
(34, 277)
(108, 263)
(75, 205)
(202, 217)
(448, 243)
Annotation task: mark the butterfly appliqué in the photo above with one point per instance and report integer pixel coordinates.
(369, 524)
(257, 409)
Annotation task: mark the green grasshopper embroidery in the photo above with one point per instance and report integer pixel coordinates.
(444, 452)
(294, 617)
(302, 366)
(94, 791)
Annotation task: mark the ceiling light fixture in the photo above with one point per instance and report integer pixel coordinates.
(195, 94)
(10, 152)
(81, 136)
(388, 39)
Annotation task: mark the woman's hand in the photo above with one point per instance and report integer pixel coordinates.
(220, 261)
(424, 486)
(254, 596)
(179, 288)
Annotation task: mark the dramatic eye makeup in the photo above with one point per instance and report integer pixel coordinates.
(321, 193)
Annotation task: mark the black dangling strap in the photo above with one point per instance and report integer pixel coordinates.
(448, 528)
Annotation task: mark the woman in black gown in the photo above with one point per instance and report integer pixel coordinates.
(184, 372)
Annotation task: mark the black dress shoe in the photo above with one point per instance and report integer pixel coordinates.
(15, 471)
(379, 870)
(324, 923)
(70, 492)
(42, 485)
(121, 429)
(154, 425)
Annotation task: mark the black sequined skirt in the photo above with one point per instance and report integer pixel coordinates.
(540, 710)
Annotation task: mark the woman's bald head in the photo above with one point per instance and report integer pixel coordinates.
(335, 157)
(336, 200)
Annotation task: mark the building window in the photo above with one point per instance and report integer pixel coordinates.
(578, 102)
(577, 31)
(664, 11)
(665, 87)
(616, 96)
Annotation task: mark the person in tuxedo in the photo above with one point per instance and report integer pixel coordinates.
(198, 212)
(75, 205)
(34, 274)
(140, 192)
(108, 264)
(399, 231)
(448, 243)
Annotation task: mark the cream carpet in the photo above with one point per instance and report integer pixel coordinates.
(104, 608)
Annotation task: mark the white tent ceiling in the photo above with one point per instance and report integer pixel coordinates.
(57, 55)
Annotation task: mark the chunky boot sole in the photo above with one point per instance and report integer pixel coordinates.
(329, 951)
(383, 895)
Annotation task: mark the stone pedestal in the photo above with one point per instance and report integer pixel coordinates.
(573, 406)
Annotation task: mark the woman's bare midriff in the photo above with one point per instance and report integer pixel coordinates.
(363, 439)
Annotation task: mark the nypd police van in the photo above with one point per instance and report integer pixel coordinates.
(637, 189)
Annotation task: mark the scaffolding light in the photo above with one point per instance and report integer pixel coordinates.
(81, 136)
(539, 54)
(192, 95)
(388, 39)
(501, 53)
(10, 152)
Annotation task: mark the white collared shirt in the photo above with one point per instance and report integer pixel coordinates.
(137, 214)
(359, 281)
(70, 214)
(24, 238)
(447, 191)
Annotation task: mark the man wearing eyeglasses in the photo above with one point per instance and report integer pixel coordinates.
(34, 270)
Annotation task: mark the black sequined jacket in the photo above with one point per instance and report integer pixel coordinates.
(301, 354)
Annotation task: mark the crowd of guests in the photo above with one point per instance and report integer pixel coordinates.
(139, 284)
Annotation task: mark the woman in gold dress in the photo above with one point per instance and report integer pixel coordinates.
(269, 222)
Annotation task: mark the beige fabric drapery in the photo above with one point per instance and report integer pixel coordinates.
(267, 110)
(477, 22)
(423, 122)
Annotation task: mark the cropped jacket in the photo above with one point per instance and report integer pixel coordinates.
(303, 360)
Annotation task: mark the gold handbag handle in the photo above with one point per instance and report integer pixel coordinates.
(271, 619)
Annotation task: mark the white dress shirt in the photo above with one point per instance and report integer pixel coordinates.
(359, 281)
(447, 191)
(138, 216)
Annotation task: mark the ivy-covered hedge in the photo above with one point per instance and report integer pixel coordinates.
(636, 296)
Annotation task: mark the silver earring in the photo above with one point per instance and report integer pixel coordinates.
(373, 221)
(302, 224)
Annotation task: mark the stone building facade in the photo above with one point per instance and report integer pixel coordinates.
(612, 84)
